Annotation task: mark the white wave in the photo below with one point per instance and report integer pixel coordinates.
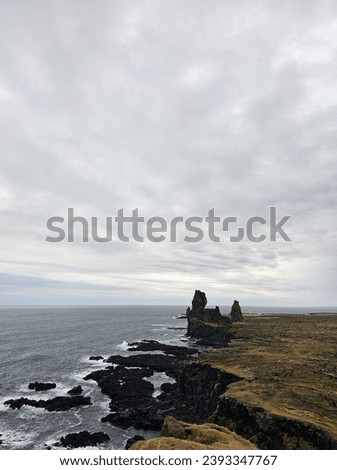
(87, 361)
(157, 379)
(78, 375)
(27, 412)
(12, 439)
(123, 346)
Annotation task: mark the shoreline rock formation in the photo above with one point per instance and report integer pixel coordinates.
(82, 439)
(207, 324)
(126, 383)
(78, 390)
(236, 314)
(41, 386)
(54, 404)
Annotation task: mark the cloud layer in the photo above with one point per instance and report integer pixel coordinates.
(172, 107)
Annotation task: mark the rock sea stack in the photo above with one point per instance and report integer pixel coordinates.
(236, 314)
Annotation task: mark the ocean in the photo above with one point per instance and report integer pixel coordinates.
(53, 344)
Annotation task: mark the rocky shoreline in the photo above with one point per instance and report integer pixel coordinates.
(229, 391)
(268, 380)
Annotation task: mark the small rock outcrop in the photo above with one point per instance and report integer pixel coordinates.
(236, 314)
(82, 439)
(153, 362)
(152, 345)
(54, 404)
(76, 390)
(41, 386)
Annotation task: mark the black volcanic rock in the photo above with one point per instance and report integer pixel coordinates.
(236, 314)
(123, 386)
(95, 358)
(147, 418)
(132, 403)
(154, 362)
(167, 387)
(83, 439)
(125, 383)
(132, 440)
(41, 386)
(199, 310)
(207, 324)
(54, 404)
(199, 301)
(75, 390)
(151, 345)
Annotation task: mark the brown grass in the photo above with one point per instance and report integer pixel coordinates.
(179, 435)
(289, 366)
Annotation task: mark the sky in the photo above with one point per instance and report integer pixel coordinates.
(173, 107)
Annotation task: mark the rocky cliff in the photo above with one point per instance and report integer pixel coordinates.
(273, 386)
(207, 324)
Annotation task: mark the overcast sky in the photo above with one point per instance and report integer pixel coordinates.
(173, 107)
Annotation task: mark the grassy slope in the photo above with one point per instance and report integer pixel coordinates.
(289, 366)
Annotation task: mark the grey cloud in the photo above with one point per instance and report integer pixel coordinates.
(172, 107)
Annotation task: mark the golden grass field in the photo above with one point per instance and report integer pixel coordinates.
(288, 369)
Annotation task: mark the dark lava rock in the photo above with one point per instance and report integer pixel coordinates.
(132, 440)
(147, 419)
(41, 386)
(83, 439)
(212, 335)
(125, 387)
(207, 324)
(54, 404)
(151, 345)
(236, 314)
(167, 387)
(199, 300)
(154, 362)
(95, 358)
(132, 403)
(199, 310)
(170, 395)
(76, 390)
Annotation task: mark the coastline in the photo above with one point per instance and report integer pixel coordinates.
(272, 385)
(236, 385)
